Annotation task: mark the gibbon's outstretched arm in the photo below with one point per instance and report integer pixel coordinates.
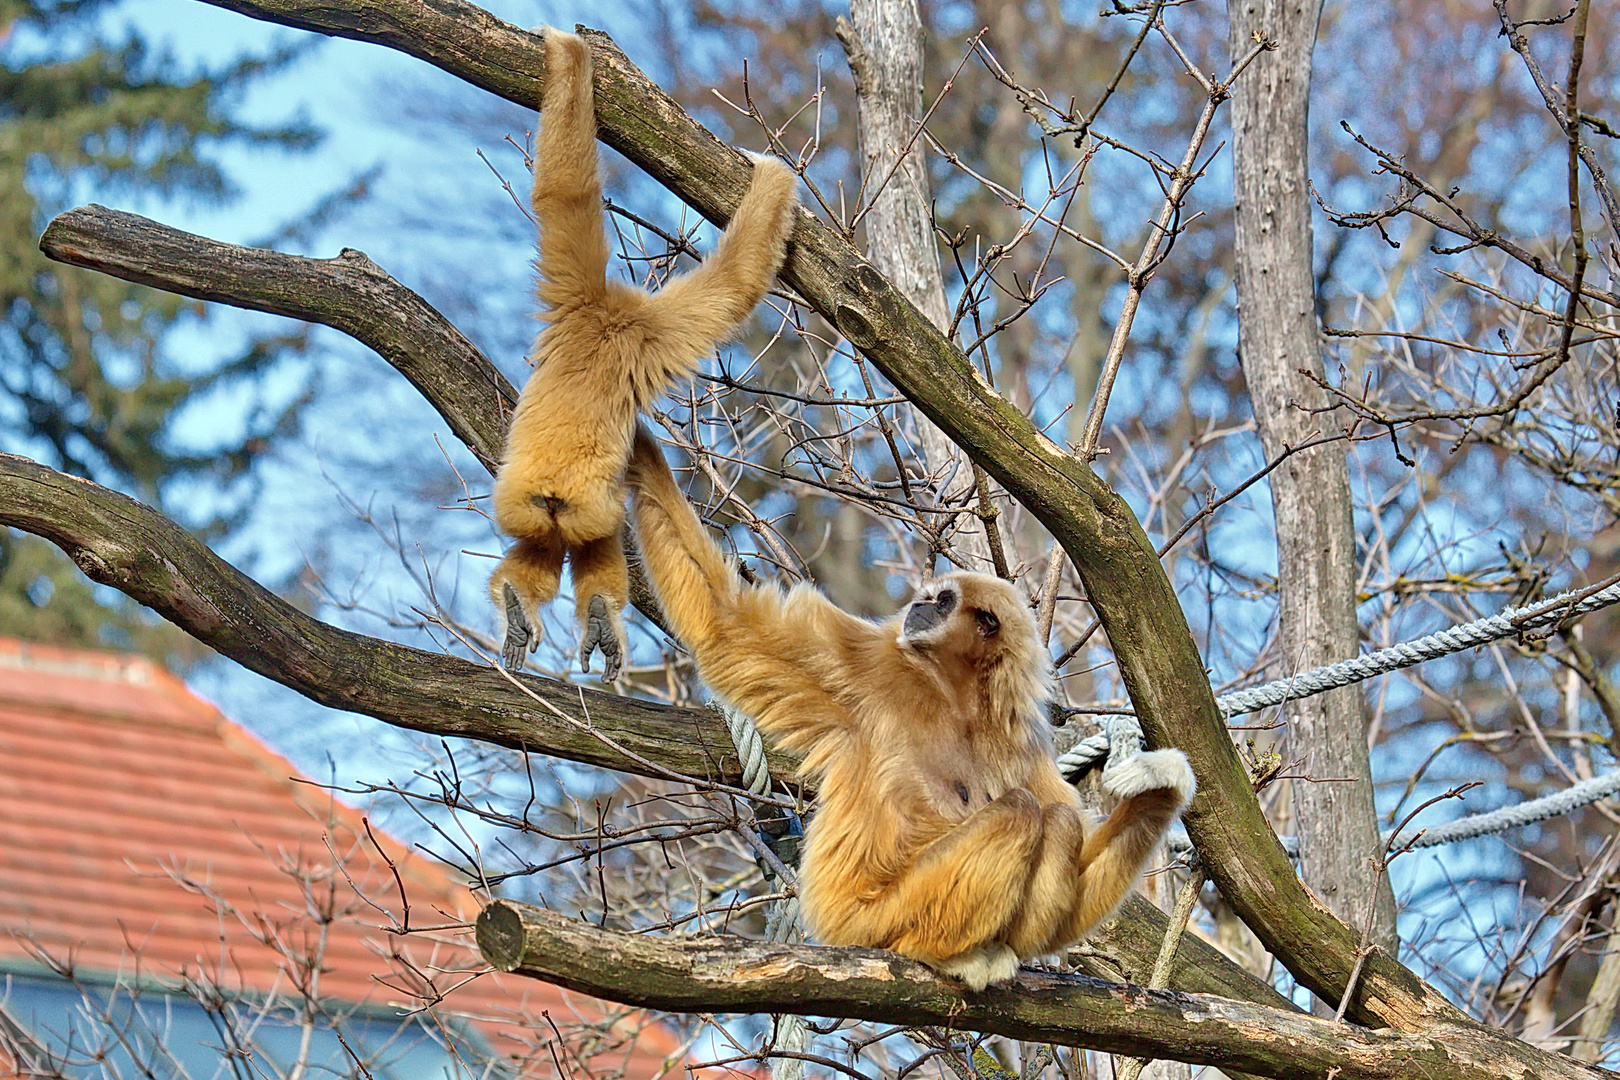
(692, 314)
(774, 655)
(608, 350)
(567, 193)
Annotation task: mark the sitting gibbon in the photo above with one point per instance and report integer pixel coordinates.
(944, 830)
(609, 348)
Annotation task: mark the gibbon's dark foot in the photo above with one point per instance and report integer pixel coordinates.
(600, 633)
(520, 636)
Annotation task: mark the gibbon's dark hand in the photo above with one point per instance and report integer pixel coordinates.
(599, 633)
(520, 636)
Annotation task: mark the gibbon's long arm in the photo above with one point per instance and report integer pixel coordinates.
(693, 313)
(567, 194)
(769, 653)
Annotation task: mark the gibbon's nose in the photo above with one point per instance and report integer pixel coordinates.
(924, 615)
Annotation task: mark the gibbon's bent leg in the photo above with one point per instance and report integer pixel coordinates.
(693, 313)
(601, 590)
(1080, 877)
(960, 891)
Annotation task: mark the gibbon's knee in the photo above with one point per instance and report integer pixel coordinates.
(531, 567)
(965, 887)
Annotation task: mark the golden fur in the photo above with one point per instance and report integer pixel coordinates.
(943, 830)
(609, 348)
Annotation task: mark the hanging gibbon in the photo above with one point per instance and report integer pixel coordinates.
(607, 350)
(943, 829)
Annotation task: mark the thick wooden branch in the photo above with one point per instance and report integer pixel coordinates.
(1158, 658)
(729, 975)
(349, 293)
(120, 542)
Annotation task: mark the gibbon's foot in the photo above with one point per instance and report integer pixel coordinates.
(981, 967)
(521, 638)
(1152, 770)
(601, 632)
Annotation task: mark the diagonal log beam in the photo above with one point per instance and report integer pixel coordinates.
(120, 542)
(349, 293)
(718, 974)
(1133, 597)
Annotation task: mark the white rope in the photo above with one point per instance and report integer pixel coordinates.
(1119, 739)
(1468, 827)
(782, 921)
(1512, 817)
(1491, 628)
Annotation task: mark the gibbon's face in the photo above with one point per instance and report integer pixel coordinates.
(967, 614)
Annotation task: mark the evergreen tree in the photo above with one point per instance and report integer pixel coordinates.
(89, 381)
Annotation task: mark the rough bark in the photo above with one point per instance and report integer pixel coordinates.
(1333, 815)
(1139, 610)
(883, 42)
(349, 293)
(713, 974)
(119, 542)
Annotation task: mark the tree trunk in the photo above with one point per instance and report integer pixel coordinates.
(1316, 554)
(884, 46)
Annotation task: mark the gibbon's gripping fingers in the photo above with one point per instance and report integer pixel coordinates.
(1151, 771)
(963, 888)
(602, 631)
(601, 590)
(688, 570)
(695, 312)
(567, 195)
(520, 638)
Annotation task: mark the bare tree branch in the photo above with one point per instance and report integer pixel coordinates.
(349, 293)
(732, 975)
(119, 542)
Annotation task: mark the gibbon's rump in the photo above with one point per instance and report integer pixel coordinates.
(608, 349)
(943, 829)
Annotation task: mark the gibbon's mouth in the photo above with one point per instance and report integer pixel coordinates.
(924, 615)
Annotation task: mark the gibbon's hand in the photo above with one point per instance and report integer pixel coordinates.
(521, 638)
(600, 633)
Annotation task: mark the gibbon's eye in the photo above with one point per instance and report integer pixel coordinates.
(988, 623)
(945, 602)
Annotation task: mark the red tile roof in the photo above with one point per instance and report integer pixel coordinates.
(141, 832)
